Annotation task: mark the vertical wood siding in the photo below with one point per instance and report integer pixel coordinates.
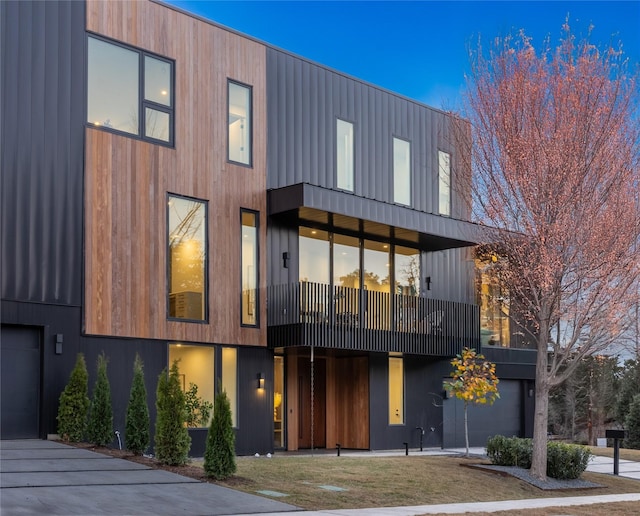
(127, 181)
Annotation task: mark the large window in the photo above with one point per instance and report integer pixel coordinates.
(444, 183)
(187, 244)
(401, 171)
(493, 300)
(196, 369)
(344, 155)
(129, 91)
(407, 271)
(239, 137)
(396, 390)
(249, 268)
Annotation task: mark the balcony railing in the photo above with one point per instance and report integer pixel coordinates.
(306, 314)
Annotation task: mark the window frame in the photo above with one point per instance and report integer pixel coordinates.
(143, 103)
(205, 290)
(249, 87)
(441, 182)
(353, 154)
(257, 272)
(393, 168)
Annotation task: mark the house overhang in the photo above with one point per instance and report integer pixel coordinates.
(350, 212)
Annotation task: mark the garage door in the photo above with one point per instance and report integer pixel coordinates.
(20, 382)
(504, 417)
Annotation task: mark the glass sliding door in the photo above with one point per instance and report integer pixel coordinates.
(313, 271)
(346, 279)
(377, 284)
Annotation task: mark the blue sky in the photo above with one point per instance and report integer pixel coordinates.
(419, 48)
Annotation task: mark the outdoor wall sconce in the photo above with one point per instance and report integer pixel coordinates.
(59, 341)
(260, 380)
(285, 260)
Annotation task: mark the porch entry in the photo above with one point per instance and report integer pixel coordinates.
(338, 391)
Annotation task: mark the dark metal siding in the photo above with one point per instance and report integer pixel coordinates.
(304, 100)
(42, 54)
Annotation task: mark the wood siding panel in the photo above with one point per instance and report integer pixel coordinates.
(127, 181)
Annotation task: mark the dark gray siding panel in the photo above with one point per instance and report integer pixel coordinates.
(304, 100)
(42, 53)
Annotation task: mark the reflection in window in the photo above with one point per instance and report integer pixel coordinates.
(114, 86)
(401, 171)
(249, 267)
(493, 300)
(278, 401)
(407, 271)
(344, 155)
(239, 137)
(187, 258)
(346, 261)
(196, 367)
(230, 380)
(444, 183)
(377, 281)
(314, 255)
(396, 390)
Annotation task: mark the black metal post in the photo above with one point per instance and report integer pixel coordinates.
(338, 446)
(616, 456)
(406, 448)
(421, 435)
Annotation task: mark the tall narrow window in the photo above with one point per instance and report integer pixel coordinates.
(344, 155)
(401, 171)
(129, 91)
(230, 380)
(444, 183)
(240, 132)
(396, 390)
(249, 268)
(187, 258)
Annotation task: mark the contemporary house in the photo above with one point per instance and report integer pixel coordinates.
(300, 238)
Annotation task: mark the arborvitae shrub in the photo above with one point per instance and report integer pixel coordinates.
(137, 419)
(74, 403)
(100, 425)
(220, 454)
(632, 424)
(510, 451)
(172, 437)
(566, 461)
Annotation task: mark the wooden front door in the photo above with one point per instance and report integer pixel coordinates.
(304, 403)
(352, 402)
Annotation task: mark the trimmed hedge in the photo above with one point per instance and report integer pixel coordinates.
(564, 461)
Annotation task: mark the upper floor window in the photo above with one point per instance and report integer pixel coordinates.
(239, 137)
(344, 155)
(129, 91)
(401, 171)
(250, 263)
(187, 257)
(444, 183)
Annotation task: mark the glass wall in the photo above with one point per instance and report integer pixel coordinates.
(187, 257)
(407, 271)
(230, 380)
(314, 255)
(249, 268)
(493, 300)
(239, 137)
(401, 171)
(344, 155)
(278, 401)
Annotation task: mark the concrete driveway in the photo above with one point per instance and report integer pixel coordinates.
(45, 477)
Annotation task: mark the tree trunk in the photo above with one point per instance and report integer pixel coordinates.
(466, 429)
(540, 421)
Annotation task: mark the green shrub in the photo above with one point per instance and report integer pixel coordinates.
(566, 461)
(74, 403)
(220, 456)
(510, 451)
(172, 437)
(198, 409)
(100, 424)
(632, 424)
(137, 418)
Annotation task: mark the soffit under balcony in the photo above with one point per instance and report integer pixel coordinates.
(350, 213)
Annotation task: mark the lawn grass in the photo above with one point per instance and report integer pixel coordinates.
(395, 481)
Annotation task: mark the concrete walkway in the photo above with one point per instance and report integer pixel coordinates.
(45, 477)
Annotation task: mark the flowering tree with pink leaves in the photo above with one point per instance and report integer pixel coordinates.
(556, 159)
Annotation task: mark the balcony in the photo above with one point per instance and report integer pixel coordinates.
(312, 314)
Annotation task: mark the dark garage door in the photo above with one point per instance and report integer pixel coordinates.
(504, 417)
(20, 382)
